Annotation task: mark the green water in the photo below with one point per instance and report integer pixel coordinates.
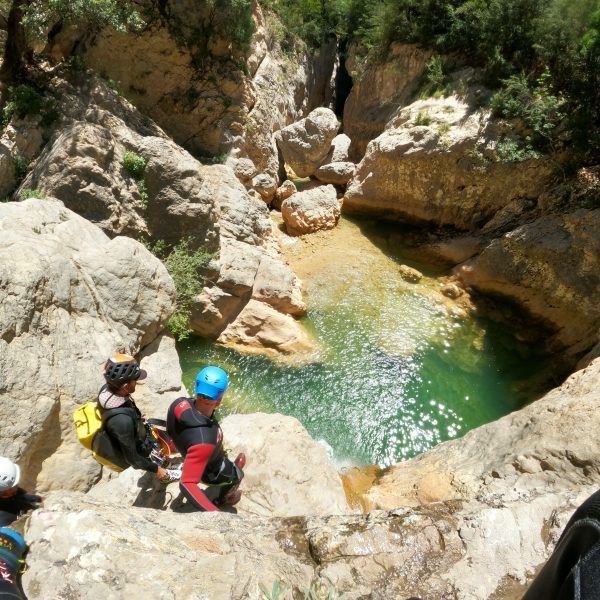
(396, 372)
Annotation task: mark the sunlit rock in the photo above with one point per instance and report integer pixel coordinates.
(311, 210)
(305, 144)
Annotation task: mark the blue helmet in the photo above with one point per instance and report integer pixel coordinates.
(211, 382)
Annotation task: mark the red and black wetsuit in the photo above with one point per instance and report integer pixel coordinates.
(199, 440)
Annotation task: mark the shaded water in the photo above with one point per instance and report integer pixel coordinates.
(398, 370)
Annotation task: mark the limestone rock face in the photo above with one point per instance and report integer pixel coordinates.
(338, 173)
(212, 100)
(377, 91)
(311, 210)
(443, 173)
(305, 144)
(278, 450)
(551, 268)
(436, 551)
(7, 171)
(70, 297)
(83, 168)
(244, 169)
(226, 556)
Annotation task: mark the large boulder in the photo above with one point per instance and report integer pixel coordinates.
(337, 173)
(311, 210)
(305, 144)
(550, 268)
(69, 297)
(260, 328)
(437, 163)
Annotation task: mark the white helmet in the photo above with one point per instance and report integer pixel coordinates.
(9, 474)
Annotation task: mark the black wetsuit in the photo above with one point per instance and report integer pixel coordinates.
(125, 440)
(199, 440)
(15, 506)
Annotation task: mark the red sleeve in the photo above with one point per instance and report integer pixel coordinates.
(193, 468)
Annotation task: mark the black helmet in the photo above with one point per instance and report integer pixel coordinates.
(122, 368)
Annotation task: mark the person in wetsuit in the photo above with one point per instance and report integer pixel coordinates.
(12, 562)
(14, 500)
(124, 440)
(192, 426)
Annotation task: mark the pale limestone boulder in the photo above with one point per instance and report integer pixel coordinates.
(266, 186)
(378, 90)
(259, 327)
(340, 146)
(549, 268)
(238, 265)
(246, 272)
(244, 169)
(278, 449)
(284, 191)
(442, 173)
(213, 310)
(73, 298)
(338, 173)
(277, 285)
(305, 144)
(311, 210)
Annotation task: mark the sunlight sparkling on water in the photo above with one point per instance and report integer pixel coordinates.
(397, 373)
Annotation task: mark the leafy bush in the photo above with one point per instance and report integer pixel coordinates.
(23, 100)
(511, 150)
(540, 110)
(31, 193)
(185, 266)
(434, 78)
(134, 164)
(20, 166)
(422, 118)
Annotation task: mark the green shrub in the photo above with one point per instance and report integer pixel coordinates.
(185, 266)
(31, 193)
(20, 166)
(511, 150)
(434, 78)
(422, 118)
(134, 164)
(540, 110)
(23, 100)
